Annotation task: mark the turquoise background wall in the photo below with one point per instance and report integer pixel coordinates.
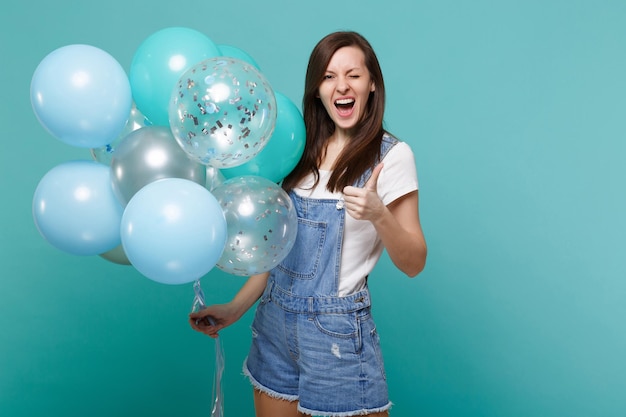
(516, 111)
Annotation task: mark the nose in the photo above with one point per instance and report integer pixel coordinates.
(342, 85)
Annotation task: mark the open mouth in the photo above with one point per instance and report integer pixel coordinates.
(344, 105)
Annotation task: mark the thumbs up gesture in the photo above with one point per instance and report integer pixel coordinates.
(364, 203)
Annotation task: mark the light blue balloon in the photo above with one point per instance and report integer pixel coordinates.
(136, 120)
(235, 52)
(173, 231)
(159, 62)
(81, 96)
(284, 148)
(75, 210)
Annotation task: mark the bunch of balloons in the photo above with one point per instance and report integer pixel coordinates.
(187, 154)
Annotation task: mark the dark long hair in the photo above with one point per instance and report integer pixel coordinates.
(364, 146)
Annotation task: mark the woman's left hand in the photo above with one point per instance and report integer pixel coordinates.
(364, 203)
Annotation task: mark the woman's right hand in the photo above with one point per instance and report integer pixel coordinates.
(213, 318)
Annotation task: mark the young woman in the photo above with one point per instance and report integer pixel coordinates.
(315, 349)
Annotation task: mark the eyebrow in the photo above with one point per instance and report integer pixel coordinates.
(350, 70)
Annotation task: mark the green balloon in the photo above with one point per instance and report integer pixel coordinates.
(235, 52)
(284, 148)
(159, 62)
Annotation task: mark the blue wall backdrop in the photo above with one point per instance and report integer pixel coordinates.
(516, 111)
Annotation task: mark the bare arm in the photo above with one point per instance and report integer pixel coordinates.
(226, 314)
(400, 230)
(397, 224)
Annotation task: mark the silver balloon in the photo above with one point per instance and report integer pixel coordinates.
(149, 154)
(136, 120)
(261, 221)
(116, 256)
(214, 177)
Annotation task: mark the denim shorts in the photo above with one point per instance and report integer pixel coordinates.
(322, 352)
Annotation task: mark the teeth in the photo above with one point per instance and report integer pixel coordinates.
(344, 101)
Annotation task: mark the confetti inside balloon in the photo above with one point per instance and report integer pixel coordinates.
(262, 224)
(222, 112)
(159, 62)
(284, 149)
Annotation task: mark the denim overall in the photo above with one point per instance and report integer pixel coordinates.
(309, 344)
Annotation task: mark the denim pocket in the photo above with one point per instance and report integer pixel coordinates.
(337, 325)
(304, 258)
(341, 331)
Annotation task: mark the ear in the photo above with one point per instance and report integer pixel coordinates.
(372, 87)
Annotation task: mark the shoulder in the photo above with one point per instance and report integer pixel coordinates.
(388, 142)
(389, 138)
(393, 149)
(399, 174)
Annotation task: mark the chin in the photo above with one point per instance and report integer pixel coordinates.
(345, 124)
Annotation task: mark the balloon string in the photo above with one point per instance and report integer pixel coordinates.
(198, 299)
(218, 396)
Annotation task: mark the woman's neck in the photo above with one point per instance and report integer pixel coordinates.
(334, 146)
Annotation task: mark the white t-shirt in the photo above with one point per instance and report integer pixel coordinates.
(361, 245)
